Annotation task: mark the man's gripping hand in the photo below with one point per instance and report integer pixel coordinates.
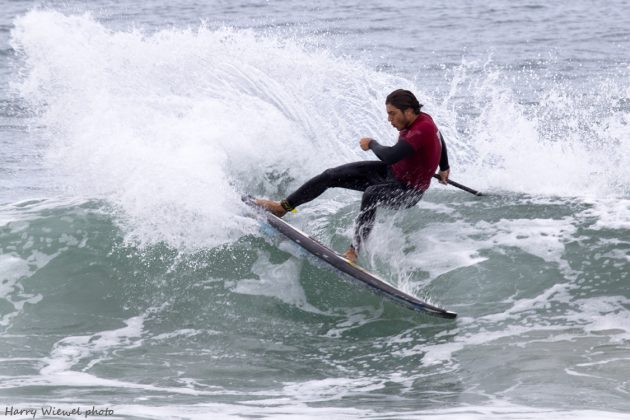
(444, 176)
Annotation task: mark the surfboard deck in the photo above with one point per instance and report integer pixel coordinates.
(373, 282)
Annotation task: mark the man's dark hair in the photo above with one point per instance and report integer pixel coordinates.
(403, 99)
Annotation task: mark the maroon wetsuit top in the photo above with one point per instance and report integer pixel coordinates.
(417, 169)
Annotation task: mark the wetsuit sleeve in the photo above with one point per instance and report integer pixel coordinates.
(444, 157)
(392, 154)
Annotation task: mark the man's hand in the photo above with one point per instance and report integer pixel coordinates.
(365, 143)
(444, 176)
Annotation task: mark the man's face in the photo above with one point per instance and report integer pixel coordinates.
(399, 119)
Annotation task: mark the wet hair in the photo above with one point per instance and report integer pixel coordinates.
(403, 99)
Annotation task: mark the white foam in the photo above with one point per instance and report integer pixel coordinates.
(186, 333)
(554, 148)
(557, 292)
(278, 280)
(603, 314)
(329, 389)
(440, 248)
(12, 271)
(505, 410)
(609, 214)
(71, 350)
(354, 318)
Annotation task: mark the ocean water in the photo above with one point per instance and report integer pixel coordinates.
(133, 280)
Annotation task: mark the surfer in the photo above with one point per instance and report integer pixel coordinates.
(398, 180)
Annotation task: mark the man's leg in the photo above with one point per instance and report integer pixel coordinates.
(355, 176)
(392, 195)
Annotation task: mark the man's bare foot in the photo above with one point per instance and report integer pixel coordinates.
(273, 207)
(351, 255)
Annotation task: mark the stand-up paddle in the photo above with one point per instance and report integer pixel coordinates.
(460, 186)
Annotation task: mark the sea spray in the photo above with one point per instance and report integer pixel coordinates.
(172, 127)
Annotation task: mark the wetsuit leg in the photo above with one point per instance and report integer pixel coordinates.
(355, 176)
(392, 195)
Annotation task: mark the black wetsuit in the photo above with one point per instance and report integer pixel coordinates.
(374, 178)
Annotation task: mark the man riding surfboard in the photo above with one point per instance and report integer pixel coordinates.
(397, 180)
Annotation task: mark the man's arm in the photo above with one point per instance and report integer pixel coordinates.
(392, 154)
(444, 166)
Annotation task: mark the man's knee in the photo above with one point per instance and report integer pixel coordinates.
(328, 173)
(330, 176)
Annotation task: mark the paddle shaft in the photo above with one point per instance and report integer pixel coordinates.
(460, 186)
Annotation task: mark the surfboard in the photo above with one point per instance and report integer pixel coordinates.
(356, 272)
